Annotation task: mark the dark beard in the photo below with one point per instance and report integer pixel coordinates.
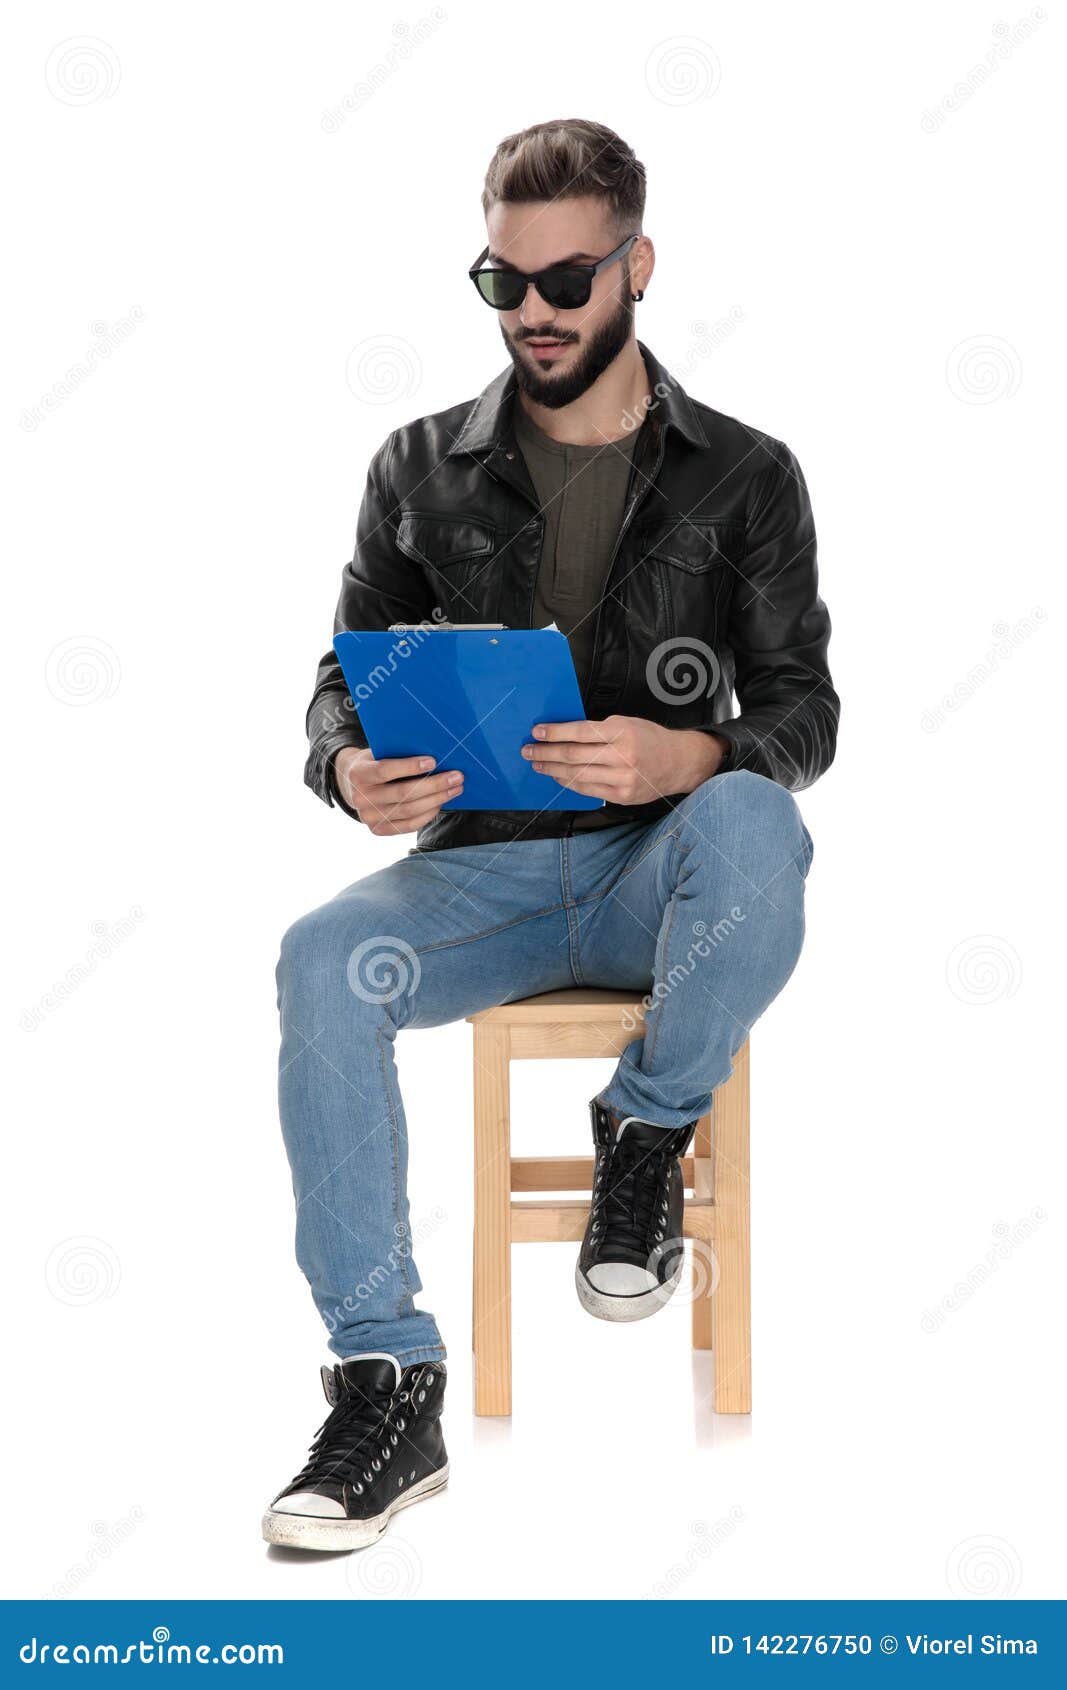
(602, 350)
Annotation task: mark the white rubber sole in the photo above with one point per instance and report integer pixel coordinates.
(309, 1531)
(639, 1307)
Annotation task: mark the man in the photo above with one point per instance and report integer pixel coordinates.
(675, 548)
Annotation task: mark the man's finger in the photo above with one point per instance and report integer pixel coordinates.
(399, 768)
(544, 732)
(575, 753)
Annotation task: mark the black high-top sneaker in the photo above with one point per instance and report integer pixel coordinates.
(632, 1254)
(379, 1449)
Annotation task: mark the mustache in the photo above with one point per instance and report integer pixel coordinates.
(568, 335)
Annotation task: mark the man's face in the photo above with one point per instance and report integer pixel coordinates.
(559, 354)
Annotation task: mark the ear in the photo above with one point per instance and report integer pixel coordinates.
(642, 264)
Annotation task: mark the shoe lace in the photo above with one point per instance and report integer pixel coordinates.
(339, 1454)
(632, 1196)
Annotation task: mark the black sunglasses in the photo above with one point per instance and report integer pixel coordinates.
(564, 286)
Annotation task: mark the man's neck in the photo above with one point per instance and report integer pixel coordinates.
(611, 409)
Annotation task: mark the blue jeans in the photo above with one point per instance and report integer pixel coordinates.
(703, 911)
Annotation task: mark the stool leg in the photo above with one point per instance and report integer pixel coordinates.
(492, 1221)
(702, 1256)
(731, 1304)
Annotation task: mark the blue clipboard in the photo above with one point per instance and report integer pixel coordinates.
(468, 697)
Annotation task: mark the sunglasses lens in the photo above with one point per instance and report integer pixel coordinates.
(500, 289)
(565, 289)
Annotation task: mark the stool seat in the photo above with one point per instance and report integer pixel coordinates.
(583, 1022)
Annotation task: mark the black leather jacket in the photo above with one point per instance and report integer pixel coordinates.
(712, 589)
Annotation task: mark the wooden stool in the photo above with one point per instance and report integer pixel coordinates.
(590, 1022)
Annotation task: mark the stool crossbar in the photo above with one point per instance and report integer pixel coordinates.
(592, 1022)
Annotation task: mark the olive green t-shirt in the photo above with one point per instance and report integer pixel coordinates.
(582, 493)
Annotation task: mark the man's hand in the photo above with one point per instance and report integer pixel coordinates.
(624, 758)
(395, 795)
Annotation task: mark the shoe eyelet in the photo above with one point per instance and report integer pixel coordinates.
(413, 1472)
(401, 1423)
(394, 1440)
(400, 1482)
(403, 1396)
(377, 1466)
(422, 1396)
(366, 1478)
(358, 1489)
(387, 1454)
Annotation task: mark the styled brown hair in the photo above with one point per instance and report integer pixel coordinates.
(567, 159)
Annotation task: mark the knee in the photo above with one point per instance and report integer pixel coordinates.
(761, 815)
(346, 953)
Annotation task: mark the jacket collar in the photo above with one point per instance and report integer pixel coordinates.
(488, 424)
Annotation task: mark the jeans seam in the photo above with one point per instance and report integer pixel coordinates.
(486, 932)
(394, 1157)
(649, 1046)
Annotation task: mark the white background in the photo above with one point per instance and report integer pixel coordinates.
(178, 521)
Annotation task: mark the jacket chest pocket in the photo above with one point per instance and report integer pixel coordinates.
(697, 564)
(456, 553)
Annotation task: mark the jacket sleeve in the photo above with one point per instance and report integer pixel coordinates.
(779, 632)
(378, 587)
